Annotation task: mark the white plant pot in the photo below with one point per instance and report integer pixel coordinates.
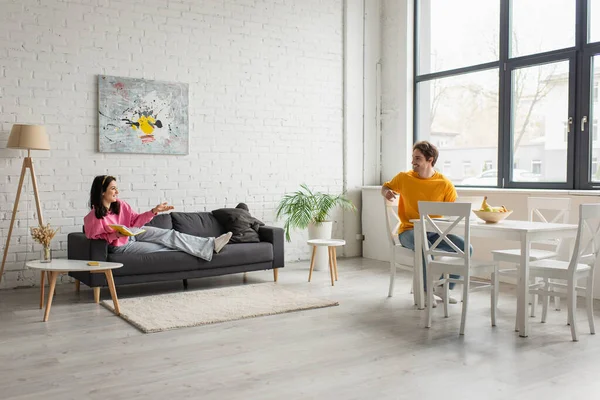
(320, 231)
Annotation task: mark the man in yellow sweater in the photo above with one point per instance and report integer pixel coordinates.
(423, 183)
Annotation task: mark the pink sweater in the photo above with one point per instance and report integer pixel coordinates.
(98, 228)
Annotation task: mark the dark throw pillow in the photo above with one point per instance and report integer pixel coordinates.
(239, 222)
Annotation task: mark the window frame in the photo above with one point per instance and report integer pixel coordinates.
(579, 144)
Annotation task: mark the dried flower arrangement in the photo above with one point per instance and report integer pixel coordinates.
(43, 234)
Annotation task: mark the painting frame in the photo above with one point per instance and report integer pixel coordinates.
(142, 116)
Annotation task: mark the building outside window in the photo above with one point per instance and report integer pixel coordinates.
(536, 167)
(447, 169)
(467, 172)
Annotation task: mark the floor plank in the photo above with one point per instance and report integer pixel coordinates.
(369, 347)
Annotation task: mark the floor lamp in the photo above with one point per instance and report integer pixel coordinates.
(29, 137)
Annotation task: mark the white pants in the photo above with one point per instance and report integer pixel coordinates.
(158, 239)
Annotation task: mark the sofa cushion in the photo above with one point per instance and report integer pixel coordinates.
(177, 261)
(197, 223)
(161, 221)
(239, 221)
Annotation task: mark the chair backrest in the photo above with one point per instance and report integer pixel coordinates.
(457, 213)
(392, 220)
(587, 242)
(549, 210)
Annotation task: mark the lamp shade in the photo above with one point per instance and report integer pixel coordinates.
(31, 137)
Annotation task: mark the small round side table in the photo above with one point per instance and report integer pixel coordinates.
(62, 266)
(331, 245)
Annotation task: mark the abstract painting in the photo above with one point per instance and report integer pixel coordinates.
(142, 116)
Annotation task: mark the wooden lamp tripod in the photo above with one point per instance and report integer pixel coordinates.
(29, 137)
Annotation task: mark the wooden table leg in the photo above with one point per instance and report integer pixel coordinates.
(330, 251)
(97, 294)
(77, 285)
(312, 262)
(42, 283)
(113, 290)
(53, 275)
(335, 263)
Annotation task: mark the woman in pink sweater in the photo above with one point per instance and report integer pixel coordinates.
(107, 210)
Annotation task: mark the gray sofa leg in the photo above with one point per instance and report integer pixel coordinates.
(185, 284)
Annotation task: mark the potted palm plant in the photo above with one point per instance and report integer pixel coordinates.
(307, 209)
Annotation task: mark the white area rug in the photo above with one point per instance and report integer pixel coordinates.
(178, 310)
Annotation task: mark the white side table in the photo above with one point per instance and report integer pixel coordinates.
(331, 245)
(62, 266)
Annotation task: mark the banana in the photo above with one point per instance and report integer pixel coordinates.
(486, 207)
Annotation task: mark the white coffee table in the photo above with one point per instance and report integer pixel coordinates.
(331, 245)
(62, 266)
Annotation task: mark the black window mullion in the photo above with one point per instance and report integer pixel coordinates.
(504, 156)
(581, 146)
(456, 72)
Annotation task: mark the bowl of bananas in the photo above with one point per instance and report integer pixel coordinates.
(491, 215)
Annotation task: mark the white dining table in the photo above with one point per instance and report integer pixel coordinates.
(524, 232)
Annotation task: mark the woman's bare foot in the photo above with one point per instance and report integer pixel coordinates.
(221, 241)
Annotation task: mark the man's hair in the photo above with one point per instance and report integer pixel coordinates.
(428, 150)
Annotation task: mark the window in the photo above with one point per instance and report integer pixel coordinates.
(467, 172)
(512, 87)
(447, 169)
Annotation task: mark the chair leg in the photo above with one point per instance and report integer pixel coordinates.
(534, 300)
(545, 306)
(545, 300)
(589, 300)
(430, 301)
(463, 317)
(571, 304)
(494, 295)
(392, 278)
(445, 288)
(557, 303)
(185, 284)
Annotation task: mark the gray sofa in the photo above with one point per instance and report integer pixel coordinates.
(175, 265)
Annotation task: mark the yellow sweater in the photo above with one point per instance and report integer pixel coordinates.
(413, 189)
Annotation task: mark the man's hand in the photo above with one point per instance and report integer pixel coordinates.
(162, 207)
(388, 193)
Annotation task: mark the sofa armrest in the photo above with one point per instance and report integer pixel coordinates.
(274, 236)
(80, 247)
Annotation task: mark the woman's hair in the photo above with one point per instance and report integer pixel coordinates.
(428, 150)
(99, 186)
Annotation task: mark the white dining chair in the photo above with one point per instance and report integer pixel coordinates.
(566, 274)
(541, 209)
(442, 263)
(400, 257)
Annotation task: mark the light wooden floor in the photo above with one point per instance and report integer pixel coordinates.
(370, 347)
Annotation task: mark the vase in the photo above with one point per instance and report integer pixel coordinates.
(46, 255)
(320, 231)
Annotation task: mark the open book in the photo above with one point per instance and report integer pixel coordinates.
(125, 231)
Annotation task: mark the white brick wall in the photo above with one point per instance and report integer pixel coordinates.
(265, 112)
